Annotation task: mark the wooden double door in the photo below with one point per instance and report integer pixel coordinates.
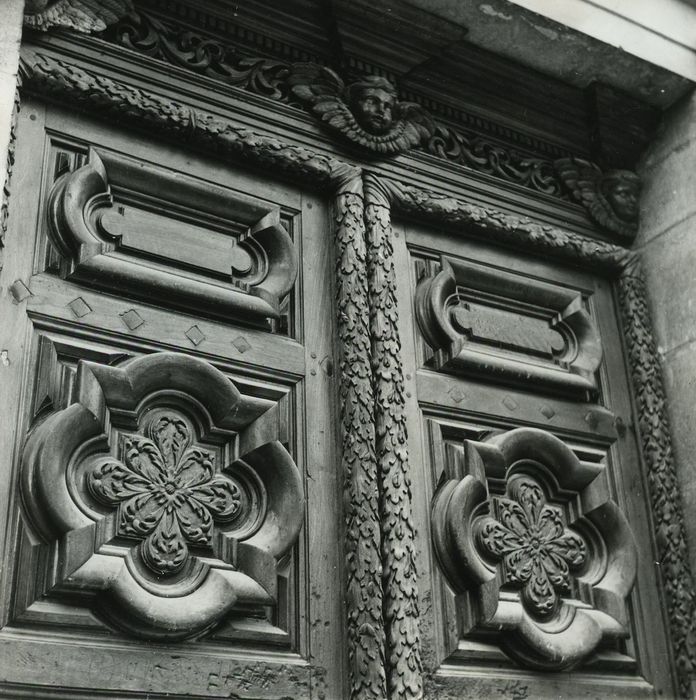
(170, 447)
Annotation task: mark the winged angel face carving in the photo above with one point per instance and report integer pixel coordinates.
(86, 16)
(611, 198)
(367, 111)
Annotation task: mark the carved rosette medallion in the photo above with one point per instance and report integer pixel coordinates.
(528, 535)
(536, 548)
(160, 497)
(167, 491)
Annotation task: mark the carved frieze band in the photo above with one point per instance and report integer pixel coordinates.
(58, 80)
(160, 498)
(367, 112)
(404, 668)
(507, 229)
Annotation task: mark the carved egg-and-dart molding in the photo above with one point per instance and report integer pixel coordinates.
(119, 223)
(164, 494)
(529, 535)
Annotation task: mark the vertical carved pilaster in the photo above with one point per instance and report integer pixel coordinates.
(363, 562)
(404, 669)
(665, 498)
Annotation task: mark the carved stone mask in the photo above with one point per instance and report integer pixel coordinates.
(373, 103)
(622, 191)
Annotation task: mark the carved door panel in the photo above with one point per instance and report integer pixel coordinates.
(537, 569)
(172, 512)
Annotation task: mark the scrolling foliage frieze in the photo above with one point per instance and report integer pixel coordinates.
(366, 112)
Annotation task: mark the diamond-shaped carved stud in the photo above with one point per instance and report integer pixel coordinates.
(241, 344)
(195, 335)
(79, 307)
(456, 394)
(132, 319)
(19, 291)
(547, 412)
(510, 403)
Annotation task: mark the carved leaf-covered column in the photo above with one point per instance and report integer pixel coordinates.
(653, 423)
(362, 515)
(404, 669)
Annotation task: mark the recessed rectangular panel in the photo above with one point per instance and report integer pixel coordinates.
(485, 322)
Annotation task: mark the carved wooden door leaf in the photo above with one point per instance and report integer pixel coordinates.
(173, 512)
(529, 500)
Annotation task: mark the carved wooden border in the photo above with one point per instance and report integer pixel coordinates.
(56, 79)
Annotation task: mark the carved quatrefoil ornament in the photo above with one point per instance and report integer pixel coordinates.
(164, 495)
(526, 534)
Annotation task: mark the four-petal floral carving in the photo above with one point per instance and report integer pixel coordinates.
(537, 550)
(167, 491)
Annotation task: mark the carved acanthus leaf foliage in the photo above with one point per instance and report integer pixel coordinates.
(367, 112)
(404, 666)
(201, 53)
(364, 589)
(163, 536)
(478, 153)
(610, 198)
(87, 16)
(521, 559)
(668, 513)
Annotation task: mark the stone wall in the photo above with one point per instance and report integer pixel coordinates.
(668, 241)
(10, 37)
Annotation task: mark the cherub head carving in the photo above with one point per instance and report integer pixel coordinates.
(367, 112)
(611, 198)
(373, 102)
(621, 189)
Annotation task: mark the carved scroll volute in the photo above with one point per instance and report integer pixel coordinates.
(259, 264)
(132, 486)
(525, 551)
(560, 351)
